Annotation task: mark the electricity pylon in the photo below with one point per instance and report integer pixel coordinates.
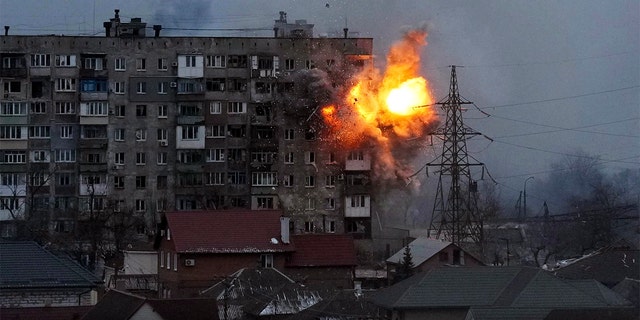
(455, 218)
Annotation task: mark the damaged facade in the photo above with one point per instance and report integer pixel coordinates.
(141, 124)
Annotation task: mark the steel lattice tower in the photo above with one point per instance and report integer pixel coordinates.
(456, 218)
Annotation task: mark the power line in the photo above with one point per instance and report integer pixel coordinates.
(561, 98)
(576, 129)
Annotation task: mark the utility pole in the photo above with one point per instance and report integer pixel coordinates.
(456, 219)
(525, 198)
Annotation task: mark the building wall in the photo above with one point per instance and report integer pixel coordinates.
(13, 298)
(145, 166)
(435, 261)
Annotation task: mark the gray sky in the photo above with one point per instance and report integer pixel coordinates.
(557, 77)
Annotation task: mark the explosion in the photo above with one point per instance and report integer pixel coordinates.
(385, 111)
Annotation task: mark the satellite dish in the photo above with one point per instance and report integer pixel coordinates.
(274, 240)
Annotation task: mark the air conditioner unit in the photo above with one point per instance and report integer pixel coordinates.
(163, 143)
(174, 84)
(174, 64)
(190, 262)
(341, 177)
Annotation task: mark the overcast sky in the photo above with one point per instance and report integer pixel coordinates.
(556, 77)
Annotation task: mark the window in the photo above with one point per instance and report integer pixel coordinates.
(119, 87)
(93, 85)
(216, 61)
(259, 179)
(11, 132)
(66, 155)
(162, 158)
(65, 60)
(237, 107)
(120, 110)
(40, 156)
(162, 64)
(214, 178)
(118, 182)
(356, 155)
(237, 61)
(289, 64)
(10, 203)
(309, 226)
(215, 84)
(190, 61)
(309, 157)
(92, 179)
(12, 86)
(141, 87)
(189, 132)
(162, 87)
(215, 155)
(141, 158)
(118, 134)
(309, 64)
(330, 203)
(13, 108)
(63, 179)
(141, 110)
(237, 178)
(38, 107)
(14, 157)
(141, 182)
(189, 156)
(287, 180)
(332, 226)
(65, 84)
(237, 84)
(289, 134)
(310, 135)
(162, 111)
(141, 64)
(65, 108)
(264, 202)
(40, 60)
(358, 201)
(260, 157)
(266, 260)
(141, 205)
(96, 108)
(189, 179)
(93, 63)
(161, 182)
(162, 135)
(289, 158)
(118, 158)
(42, 132)
(66, 132)
(310, 181)
(12, 179)
(443, 256)
(215, 131)
(215, 107)
(189, 110)
(120, 64)
(330, 181)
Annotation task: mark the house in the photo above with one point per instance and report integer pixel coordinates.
(479, 293)
(198, 248)
(31, 276)
(253, 293)
(119, 305)
(429, 253)
(326, 260)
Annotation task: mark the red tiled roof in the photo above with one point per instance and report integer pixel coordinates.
(322, 250)
(226, 231)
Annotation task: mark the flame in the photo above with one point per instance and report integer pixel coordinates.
(381, 108)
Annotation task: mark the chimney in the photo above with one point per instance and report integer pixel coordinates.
(6, 30)
(346, 32)
(157, 28)
(275, 32)
(117, 16)
(107, 28)
(284, 229)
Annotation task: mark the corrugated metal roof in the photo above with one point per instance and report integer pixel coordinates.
(226, 231)
(421, 250)
(25, 264)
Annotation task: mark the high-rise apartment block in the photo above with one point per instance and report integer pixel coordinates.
(141, 124)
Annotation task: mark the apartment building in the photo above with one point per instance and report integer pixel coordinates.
(140, 124)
